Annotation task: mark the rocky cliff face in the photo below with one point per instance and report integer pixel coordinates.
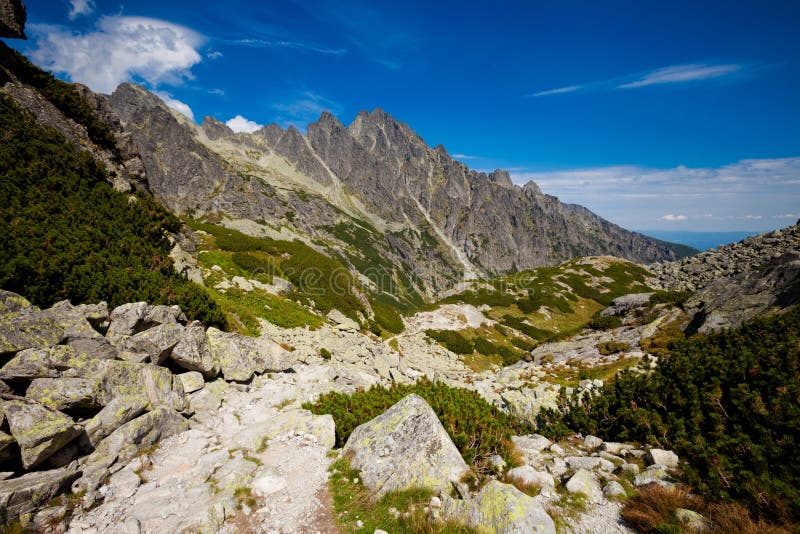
(12, 19)
(373, 188)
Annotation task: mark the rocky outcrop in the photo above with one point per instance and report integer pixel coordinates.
(405, 447)
(39, 431)
(500, 508)
(12, 19)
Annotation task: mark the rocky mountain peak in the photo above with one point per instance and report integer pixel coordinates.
(215, 129)
(501, 177)
(12, 19)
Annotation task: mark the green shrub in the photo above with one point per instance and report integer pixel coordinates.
(452, 341)
(386, 317)
(604, 322)
(248, 262)
(325, 353)
(66, 234)
(612, 347)
(523, 344)
(529, 330)
(676, 298)
(728, 404)
(477, 428)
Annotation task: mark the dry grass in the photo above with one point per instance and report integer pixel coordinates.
(652, 510)
(525, 487)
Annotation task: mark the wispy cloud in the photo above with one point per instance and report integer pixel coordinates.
(119, 49)
(240, 124)
(675, 74)
(682, 74)
(306, 107)
(751, 191)
(291, 45)
(80, 7)
(465, 156)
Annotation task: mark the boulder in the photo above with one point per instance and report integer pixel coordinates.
(72, 322)
(44, 363)
(64, 393)
(583, 482)
(192, 352)
(405, 447)
(532, 443)
(655, 474)
(662, 457)
(499, 508)
(156, 383)
(614, 490)
(191, 381)
(23, 326)
(128, 440)
(592, 442)
(31, 491)
(39, 431)
(98, 348)
(529, 476)
(6, 446)
(690, 519)
(130, 319)
(526, 403)
(342, 322)
(157, 342)
(115, 414)
(240, 357)
(96, 314)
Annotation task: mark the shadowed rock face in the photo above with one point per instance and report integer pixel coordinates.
(12, 19)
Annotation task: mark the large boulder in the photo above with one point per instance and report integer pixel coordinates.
(23, 326)
(71, 320)
(129, 440)
(31, 491)
(39, 431)
(156, 342)
(130, 319)
(12, 19)
(192, 352)
(115, 414)
(240, 357)
(64, 393)
(405, 447)
(49, 362)
(499, 508)
(662, 457)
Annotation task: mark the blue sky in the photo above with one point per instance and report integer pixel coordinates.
(656, 115)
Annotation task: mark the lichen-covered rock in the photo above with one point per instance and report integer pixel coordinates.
(71, 321)
(499, 508)
(526, 403)
(27, 493)
(240, 357)
(192, 352)
(405, 447)
(44, 363)
(529, 476)
(154, 382)
(98, 348)
(341, 321)
(157, 342)
(191, 381)
(64, 393)
(126, 442)
(38, 431)
(130, 319)
(583, 482)
(115, 414)
(6, 448)
(209, 399)
(23, 326)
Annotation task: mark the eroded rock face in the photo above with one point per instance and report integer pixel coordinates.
(500, 508)
(403, 448)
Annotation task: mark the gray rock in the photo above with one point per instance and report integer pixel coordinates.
(613, 447)
(115, 414)
(191, 381)
(128, 440)
(39, 431)
(342, 322)
(95, 348)
(529, 476)
(614, 490)
(71, 320)
(405, 447)
(662, 457)
(12, 19)
(157, 342)
(127, 320)
(6, 449)
(27, 493)
(622, 305)
(653, 474)
(240, 357)
(23, 326)
(592, 442)
(583, 482)
(192, 351)
(691, 520)
(583, 462)
(499, 508)
(631, 469)
(497, 462)
(533, 442)
(64, 393)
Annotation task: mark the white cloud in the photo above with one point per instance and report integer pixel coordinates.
(291, 45)
(80, 7)
(667, 75)
(465, 156)
(239, 124)
(559, 91)
(670, 217)
(214, 55)
(633, 195)
(306, 108)
(682, 73)
(176, 104)
(119, 49)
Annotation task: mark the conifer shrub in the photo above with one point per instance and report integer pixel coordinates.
(727, 403)
(676, 298)
(604, 322)
(65, 233)
(452, 340)
(477, 428)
